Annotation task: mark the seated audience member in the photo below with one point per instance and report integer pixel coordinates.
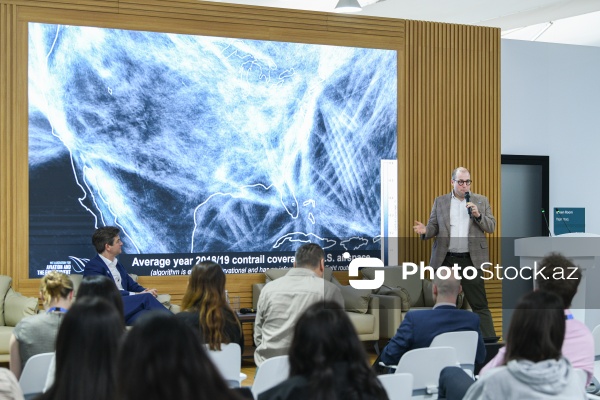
(533, 367)
(37, 334)
(206, 309)
(93, 286)
(86, 352)
(578, 346)
(419, 327)
(102, 287)
(136, 299)
(162, 358)
(283, 300)
(9, 386)
(327, 360)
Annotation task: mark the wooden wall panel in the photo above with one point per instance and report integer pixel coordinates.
(11, 251)
(448, 103)
(451, 119)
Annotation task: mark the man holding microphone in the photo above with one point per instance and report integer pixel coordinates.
(459, 221)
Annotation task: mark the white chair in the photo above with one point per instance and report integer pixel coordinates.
(51, 374)
(465, 344)
(33, 377)
(228, 361)
(397, 386)
(425, 366)
(596, 378)
(582, 376)
(271, 372)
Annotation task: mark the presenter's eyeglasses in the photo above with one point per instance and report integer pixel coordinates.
(461, 182)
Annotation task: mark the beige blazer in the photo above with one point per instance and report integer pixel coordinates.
(438, 226)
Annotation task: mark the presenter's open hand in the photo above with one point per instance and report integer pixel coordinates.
(419, 228)
(153, 292)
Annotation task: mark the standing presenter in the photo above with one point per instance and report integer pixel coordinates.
(459, 221)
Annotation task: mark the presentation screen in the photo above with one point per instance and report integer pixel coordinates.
(201, 147)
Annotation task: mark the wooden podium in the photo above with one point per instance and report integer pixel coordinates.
(584, 250)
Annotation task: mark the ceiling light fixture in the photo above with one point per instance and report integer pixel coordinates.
(348, 6)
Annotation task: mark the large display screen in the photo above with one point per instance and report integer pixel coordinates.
(204, 147)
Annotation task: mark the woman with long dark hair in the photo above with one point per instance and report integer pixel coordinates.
(102, 287)
(86, 352)
(162, 358)
(205, 307)
(534, 367)
(327, 360)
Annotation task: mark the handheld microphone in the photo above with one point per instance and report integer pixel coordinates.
(547, 224)
(468, 198)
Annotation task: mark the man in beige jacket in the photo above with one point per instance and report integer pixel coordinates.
(283, 300)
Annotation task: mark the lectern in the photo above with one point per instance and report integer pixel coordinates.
(584, 250)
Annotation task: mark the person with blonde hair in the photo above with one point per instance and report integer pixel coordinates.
(206, 310)
(37, 334)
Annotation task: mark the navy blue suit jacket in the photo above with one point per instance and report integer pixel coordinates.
(97, 266)
(419, 327)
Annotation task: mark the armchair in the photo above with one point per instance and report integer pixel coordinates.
(13, 308)
(397, 296)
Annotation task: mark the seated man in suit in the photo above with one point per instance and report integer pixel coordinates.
(419, 327)
(136, 298)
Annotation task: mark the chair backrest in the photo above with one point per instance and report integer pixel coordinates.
(465, 344)
(596, 377)
(425, 365)
(397, 386)
(596, 335)
(228, 361)
(271, 372)
(33, 377)
(581, 376)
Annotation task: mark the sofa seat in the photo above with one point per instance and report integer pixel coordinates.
(397, 296)
(365, 324)
(13, 308)
(5, 333)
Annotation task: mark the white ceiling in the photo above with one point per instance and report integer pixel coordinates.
(573, 21)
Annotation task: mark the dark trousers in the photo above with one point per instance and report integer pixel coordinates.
(136, 305)
(454, 383)
(474, 290)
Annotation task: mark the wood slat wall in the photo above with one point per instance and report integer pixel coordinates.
(451, 118)
(448, 104)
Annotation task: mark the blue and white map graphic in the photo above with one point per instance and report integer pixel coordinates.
(195, 144)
